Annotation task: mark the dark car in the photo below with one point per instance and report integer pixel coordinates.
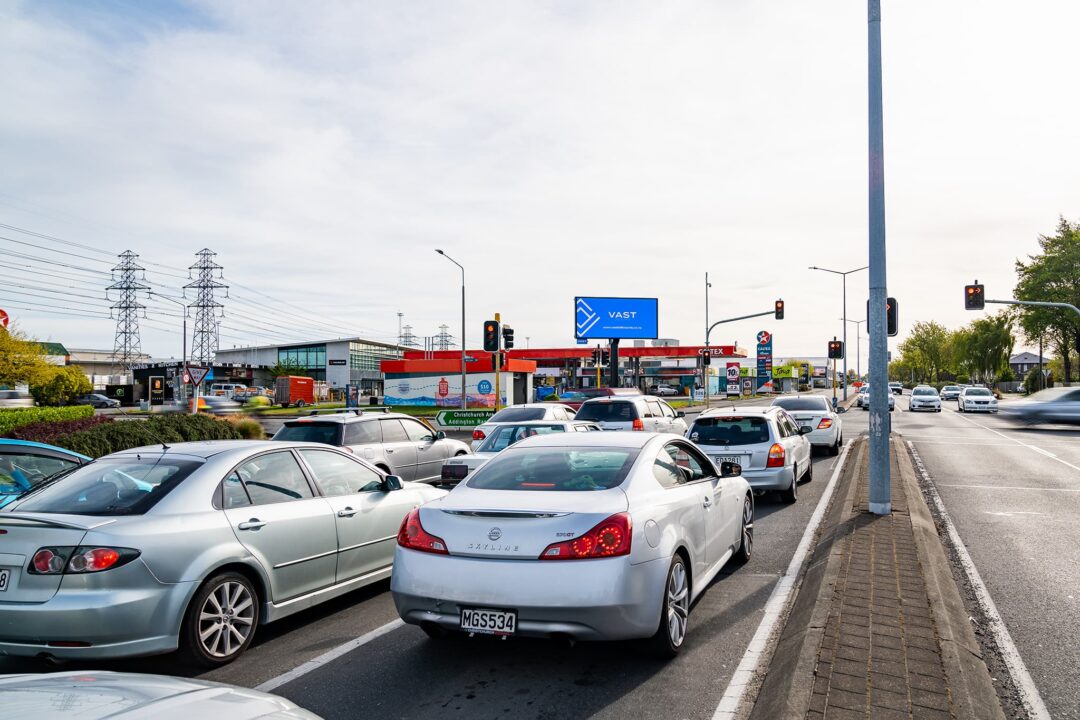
(97, 400)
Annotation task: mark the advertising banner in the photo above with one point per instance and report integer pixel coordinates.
(608, 318)
(445, 390)
(733, 378)
(764, 361)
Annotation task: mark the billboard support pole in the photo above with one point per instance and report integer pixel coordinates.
(613, 363)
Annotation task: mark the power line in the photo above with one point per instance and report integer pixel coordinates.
(49, 249)
(70, 243)
(24, 256)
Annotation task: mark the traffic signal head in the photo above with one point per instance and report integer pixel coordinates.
(779, 312)
(836, 349)
(974, 297)
(508, 336)
(892, 317)
(706, 357)
(491, 336)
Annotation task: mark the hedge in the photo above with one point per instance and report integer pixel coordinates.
(17, 417)
(116, 436)
(50, 432)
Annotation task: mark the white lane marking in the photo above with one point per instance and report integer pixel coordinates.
(1022, 444)
(1007, 487)
(1029, 694)
(329, 656)
(1010, 514)
(776, 607)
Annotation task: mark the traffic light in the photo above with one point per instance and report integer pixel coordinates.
(508, 336)
(779, 309)
(706, 357)
(974, 297)
(836, 349)
(491, 336)
(892, 317)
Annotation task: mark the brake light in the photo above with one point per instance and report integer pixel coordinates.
(49, 561)
(638, 424)
(478, 435)
(93, 560)
(611, 538)
(776, 456)
(825, 424)
(413, 536)
(86, 559)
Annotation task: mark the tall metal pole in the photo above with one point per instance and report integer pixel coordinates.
(464, 377)
(704, 369)
(880, 496)
(845, 337)
(858, 349)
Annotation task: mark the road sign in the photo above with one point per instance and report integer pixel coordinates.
(197, 373)
(462, 418)
(4, 319)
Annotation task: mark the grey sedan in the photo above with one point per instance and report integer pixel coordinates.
(192, 546)
(1053, 405)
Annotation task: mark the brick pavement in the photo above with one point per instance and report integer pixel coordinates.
(880, 657)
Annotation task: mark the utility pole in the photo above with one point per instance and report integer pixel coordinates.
(204, 340)
(704, 369)
(127, 347)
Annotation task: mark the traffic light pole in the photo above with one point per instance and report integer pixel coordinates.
(741, 317)
(1036, 303)
(613, 363)
(498, 361)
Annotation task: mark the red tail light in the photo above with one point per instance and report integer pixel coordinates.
(55, 560)
(611, 538)
(825, 424)
(776, 456)
(478, 435)
(93, 560)
(639, 424)
(412, 535)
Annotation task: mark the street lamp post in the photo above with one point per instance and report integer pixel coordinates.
(464, 391)
(858, 349)
(842, 274)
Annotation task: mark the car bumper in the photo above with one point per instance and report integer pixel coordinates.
(769, 478)
(981, 408)
(933, 407)
(824, 438)
(134, 615)
(604, 599)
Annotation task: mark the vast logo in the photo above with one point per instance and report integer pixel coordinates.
(586, 317)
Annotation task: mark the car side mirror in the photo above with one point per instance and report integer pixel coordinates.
(680, 413)
(440, 435)
(805, 430)
(730, 469)
(841, 410)
(391, 483)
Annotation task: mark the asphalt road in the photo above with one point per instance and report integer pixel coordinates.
(404, 674)
(1013, 493)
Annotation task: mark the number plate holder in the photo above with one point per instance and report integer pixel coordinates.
(489, 621)
(737, 459)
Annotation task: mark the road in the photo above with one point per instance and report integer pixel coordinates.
(404, 674)
(1013, 493)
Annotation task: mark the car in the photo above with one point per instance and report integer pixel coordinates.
(96, 400)
(218, 405)
(521, 413)
(504, 435)
(864, 399)
(950, 392)
(896, 388)
(667, 390)
(1058, 405)
(15, 399)
(582, 536)
(766, 442)
(924, 397)
(192, 546)
(976, 399)
(100, 694)
(25, 464)
(396, 443)
(575, 398)
(816, 413)
(646, 413)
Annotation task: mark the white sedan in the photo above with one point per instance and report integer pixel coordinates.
(588, 536)
(816, 413)
(924, 397)
(976, 399)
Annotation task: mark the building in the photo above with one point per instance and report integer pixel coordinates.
(1025, 362)
(340, 362)
(98, 365)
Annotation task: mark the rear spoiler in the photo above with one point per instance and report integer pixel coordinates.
(17, 518)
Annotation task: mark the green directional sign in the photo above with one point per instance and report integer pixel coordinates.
(463, 418)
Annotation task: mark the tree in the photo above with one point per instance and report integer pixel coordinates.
(22, 361)
(983, 348)
(928, 350)
(289, 367)
(60, 385)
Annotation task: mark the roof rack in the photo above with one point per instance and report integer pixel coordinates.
(355, 411)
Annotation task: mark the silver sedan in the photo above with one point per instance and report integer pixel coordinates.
(192, 546)
(591, 536)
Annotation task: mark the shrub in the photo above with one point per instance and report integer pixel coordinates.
(257, 402)
(17, 417)
(247, 428)
(49, 432)
(116, 436)
(61, 386)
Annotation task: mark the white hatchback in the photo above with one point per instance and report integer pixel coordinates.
(646, 413)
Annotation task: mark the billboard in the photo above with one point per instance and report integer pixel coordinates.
(733, 378)
(609, 318)
(764, 361)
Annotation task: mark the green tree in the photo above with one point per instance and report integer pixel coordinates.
(21, 360)
(983, 348)
(60, 385)
(928, 350)
(288, 367)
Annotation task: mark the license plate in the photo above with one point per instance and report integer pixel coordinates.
(807, 427)
(737, 459)
(488, 622)
(4, 576)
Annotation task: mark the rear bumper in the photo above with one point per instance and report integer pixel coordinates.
(769, 478)
(824, 438)
(584, 599)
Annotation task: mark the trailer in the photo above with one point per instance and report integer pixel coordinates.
(294, 390)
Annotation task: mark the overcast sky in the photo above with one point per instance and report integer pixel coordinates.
(324, 150)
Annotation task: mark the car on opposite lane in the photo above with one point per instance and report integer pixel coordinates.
(396, 443)
(521, 413)
(1055, 405)
(765, 442)
(587, 536)
(816, 413)
(976, 399)
(924, 397)
(863, 400)
(896, 388)
(192, 545)
(15, 399)
(646, 413)
(25, 464)
(504, 435)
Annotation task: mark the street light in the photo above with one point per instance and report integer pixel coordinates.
(464, 392)
(844, 275)
(705, 370)
(858, 351)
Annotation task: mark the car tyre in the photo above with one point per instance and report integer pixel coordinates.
(808, 476)
(792, 493)
(746, 540)
(835, 449)
(299, 403)
(220, 621)
(674, 612)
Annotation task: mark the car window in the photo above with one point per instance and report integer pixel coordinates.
(338, 475)
(690, 464)
(365, 432)
(518, 414)
(274, 478)
(503, 436)
(20, 471)
(668, 412)
(622, 411)
(793, 427)
(781, 425)
(814, 404)
(666, 472)
(977, 391)
(733, 430)
(233, 494)
(327, 433)
(654, 409)
(392, 431)
(418, 431)
(555, 469)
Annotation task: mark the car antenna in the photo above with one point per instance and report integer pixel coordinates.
(125, 413)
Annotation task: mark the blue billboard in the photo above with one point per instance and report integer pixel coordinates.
(609, 318)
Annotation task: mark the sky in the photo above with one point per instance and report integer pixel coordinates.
(554, 149)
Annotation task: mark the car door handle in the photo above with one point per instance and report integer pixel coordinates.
(708, 502)
(347, 512)
(252, 524)
(389, 451)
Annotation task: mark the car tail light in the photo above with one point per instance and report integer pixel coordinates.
(412, 535)
(776, 456)
(478, 435)
(638, 424)
(611, 538)
(825, 424)
(80, 560)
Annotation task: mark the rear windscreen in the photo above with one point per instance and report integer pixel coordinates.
(555, 469)
(326, 433)
(504, 436)
(730, 431)
(795, 404)
(608, 412)
(518, 415)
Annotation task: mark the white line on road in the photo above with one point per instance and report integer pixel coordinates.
(329, 656)
(1007, 487)
(1021, 678)
(776, 607)
(1022, 444)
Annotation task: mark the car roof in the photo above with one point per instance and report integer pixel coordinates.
(616, 439)
(543, 423)
(209, 448)
(5, 442)
(349, 416)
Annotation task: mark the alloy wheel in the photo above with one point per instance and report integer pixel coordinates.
(226, 619)
(678, 604)
(748, 527)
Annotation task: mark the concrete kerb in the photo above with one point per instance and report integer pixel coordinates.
(970, 684)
